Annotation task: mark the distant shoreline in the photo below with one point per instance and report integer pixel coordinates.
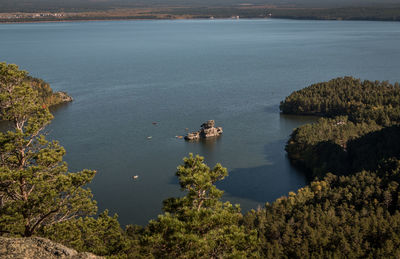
(194, 18)
(186, 13)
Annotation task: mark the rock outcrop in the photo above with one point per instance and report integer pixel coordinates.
(63, 97)
(207, 130)
(46, 93)
(37, 247)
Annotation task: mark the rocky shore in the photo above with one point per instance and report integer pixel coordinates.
(37, 247)
(62, 97)
(207, 130)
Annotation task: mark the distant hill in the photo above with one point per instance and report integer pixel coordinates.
(92, 5)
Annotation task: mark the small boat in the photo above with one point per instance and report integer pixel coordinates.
(154, 123)
(149, 137)
(135, 177)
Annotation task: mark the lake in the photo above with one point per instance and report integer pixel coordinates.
(125, 75)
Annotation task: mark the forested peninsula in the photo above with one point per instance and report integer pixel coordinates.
(359, 129)
(351, 208)
(46, 96)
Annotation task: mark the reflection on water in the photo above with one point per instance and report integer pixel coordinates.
(207, 144)
(290, 122)
(62, 107)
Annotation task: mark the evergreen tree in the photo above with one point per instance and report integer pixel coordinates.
(36, 189)
(199, 225)
(102, 235)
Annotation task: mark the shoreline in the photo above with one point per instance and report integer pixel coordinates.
(192, 18)
(172, 13)
(191, 13)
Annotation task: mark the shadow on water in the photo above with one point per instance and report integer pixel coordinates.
(272, 108)
(54, 109)
(205, 146)
(298, 120)
(268, 182)
(209, 144)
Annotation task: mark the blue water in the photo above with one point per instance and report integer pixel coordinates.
(124, 75)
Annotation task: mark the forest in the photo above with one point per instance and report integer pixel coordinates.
(360, 100)
(380, 13)
(361, 120)
(351, 208)
(377, 13)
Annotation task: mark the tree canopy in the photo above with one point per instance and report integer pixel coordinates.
(354, 212)
(350, 210)
(36, 188)
(199, 225)
(359, 100)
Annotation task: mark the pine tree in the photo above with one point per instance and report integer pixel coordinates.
(36, 189)
(199, 225)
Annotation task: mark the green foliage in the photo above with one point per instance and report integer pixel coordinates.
(381, 12)
(323, 146)
(354, 213)
(36, 189)
(331, 145)
(46, 95)
(340, 216)
(102, 236)
(360, 100)
(198, 225)
(371, 150)
(16, 80)
(353, 216)
(197, 178)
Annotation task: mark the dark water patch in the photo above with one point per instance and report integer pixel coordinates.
(267, 182)
(272, 108)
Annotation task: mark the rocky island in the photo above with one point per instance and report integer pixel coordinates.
(207, 130)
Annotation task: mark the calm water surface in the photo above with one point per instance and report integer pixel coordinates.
(124, 75)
